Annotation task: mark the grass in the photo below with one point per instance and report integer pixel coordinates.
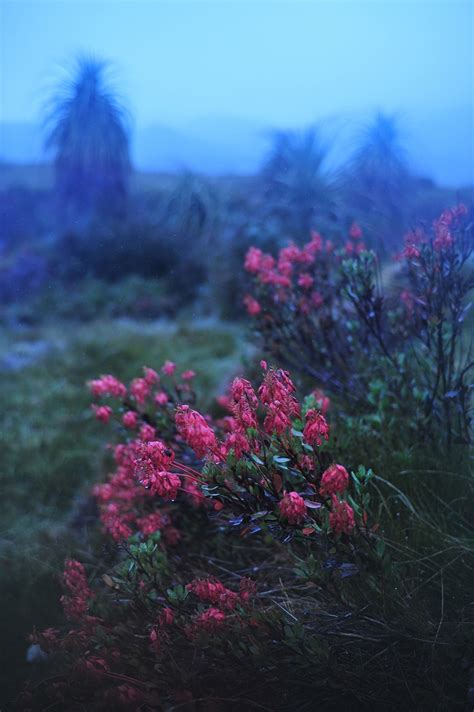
(51, 448)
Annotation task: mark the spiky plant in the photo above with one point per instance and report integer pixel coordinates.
(296, 179)
(378, 175)
(86, 128)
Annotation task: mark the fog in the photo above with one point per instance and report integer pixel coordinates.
(204, 81)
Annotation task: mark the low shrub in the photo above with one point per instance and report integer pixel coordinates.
(240, 549)
(324, 309)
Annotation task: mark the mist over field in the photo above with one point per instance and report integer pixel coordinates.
(204, 96)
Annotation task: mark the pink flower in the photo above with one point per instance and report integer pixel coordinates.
(292, 507)
(116, 522)
(130, 419)
(149, 468)
(315, 244)
(147, 432)
(306, 462)
(76, 603)
(102, 412)
(257, 261)
(210, 620)
(152, 523)
(334, 479)
(316, 428)
(166, 617)
(140, 389)
(107, 386)
(161, 398)
(275, 278)
(253, 307)
(237, 442)
(411, 252)
(168, 368)
(277, 419)
(292, 253)
(243, 403)
(214, 592)
(151, 375)
(195, 431)
(285, 267)
(355, 232)
(341, 519)
(276, 393)
(443, 236)
(188, 375)
(305, 280)
(164, 484)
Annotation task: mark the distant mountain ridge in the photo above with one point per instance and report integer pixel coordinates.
(232, 145)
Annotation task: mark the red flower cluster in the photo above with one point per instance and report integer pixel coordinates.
(209, 621)
(341, 518)
(292, 507)
(75, 604)
(354, 246)
(243, 404)
(149, 475)
(294, 274)
(150, 470)
(141, 473)
(276, 393)
(214, 592)
(195, 431)
(334, 479)
(253, 307)
(443, 235)
(107, 386)
(316, 427)
(130, 419)
(102, 412)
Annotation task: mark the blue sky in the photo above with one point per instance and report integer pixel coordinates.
(283, 63)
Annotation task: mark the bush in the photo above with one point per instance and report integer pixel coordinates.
(323, 309)
(242, 550)
(241, 547)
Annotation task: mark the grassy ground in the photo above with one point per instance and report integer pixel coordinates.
(51, 448)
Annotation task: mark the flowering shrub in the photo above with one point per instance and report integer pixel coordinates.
(243, 546)
(323, 309)
(181, 482)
